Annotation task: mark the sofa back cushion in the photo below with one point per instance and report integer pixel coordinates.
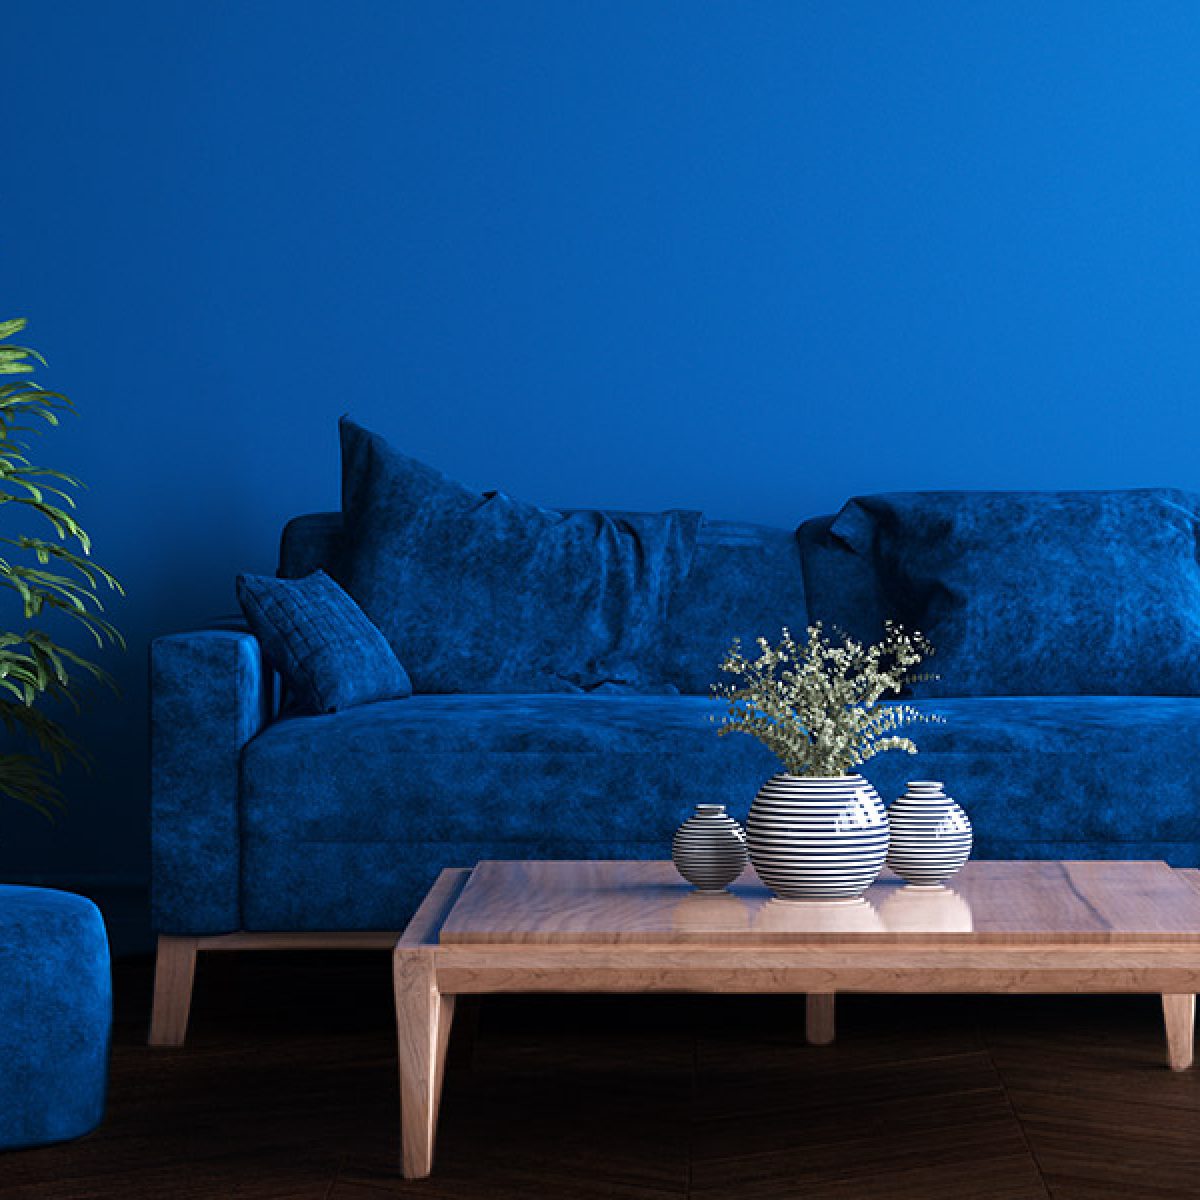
(486, 593)
(1039, 593)
(747, 582)
(310, 543)
(841, 586)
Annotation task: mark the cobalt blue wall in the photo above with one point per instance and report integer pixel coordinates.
(750, 257)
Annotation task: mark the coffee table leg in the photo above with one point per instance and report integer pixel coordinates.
(423, 1018)
(819, 1020)
(1179, 1014)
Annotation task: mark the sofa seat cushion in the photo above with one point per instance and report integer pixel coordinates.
(348, 818)
(1063, 776)
(457, 768)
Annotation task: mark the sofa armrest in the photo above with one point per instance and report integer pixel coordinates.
(209, 695)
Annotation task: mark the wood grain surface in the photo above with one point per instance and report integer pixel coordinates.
(287, 1091)
(1019, 903)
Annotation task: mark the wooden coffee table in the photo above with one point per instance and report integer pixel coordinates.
(637, 927)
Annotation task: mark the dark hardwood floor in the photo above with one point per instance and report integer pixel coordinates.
(287, 1091)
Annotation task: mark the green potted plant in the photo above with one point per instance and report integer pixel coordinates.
(818, 830)
(46, 565)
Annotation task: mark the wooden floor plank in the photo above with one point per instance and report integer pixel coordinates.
(286, 1091)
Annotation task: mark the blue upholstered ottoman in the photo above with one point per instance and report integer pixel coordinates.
(55, 1016)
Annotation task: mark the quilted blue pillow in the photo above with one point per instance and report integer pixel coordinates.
(329, 654)
(1040, 593)
(486, 593)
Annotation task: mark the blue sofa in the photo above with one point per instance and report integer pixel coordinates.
(268, 824)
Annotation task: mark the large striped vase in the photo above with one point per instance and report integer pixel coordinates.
(931, 835)
(812, 838)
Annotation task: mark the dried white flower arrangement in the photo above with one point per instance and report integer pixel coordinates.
(817, 707)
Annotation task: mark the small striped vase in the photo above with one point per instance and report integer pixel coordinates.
(709, 849)
(931, 835)
(812, 838)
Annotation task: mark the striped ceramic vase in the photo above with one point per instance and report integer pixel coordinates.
(931, 835)
(812, 838)
(709, 849)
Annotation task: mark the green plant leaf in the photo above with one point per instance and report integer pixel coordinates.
(50, 578)
(26, 781)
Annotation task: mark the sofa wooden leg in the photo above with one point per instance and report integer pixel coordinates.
(1179, 1014)
(819, 1018)
(174, 970)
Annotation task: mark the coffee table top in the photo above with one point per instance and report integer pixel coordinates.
(569, 903)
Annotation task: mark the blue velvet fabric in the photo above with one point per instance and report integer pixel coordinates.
(1063, 776)
(1040, 593)
(746, 581)
(326, 651)
(488, 593)
(341, 821)
(347, 817)
(311, 542)
(209, 695)
(456, 768)
(344, 816)
(841, 586)
(55, 1017)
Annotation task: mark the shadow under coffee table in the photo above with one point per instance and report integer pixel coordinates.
(636, 927)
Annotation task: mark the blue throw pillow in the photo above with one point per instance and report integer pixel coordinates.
(329, 654)
(484, 593)
(1040, 593)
